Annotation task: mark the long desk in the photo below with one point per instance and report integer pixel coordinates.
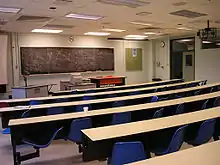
(132, 86)
(96, 139)
(206, 154)
(99, 141)
(15, 112)
(77, 97)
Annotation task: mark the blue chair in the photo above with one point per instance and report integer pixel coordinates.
(204, 106)
(216, 102)
(112, 95)
(134, 93)
(88, 98)
(90, 91)
(154, 99)
(80, 108)
(7, 130)
(35, 102)
(204, 134)
(73, 92)
(121, 118)
(127, 152)
(57, 110)
(158, 113)
(175, 143)
(118, 104)
(179, 109)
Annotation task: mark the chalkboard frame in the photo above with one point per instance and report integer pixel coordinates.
(99, 53)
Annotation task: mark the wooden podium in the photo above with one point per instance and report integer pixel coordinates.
(108, 81)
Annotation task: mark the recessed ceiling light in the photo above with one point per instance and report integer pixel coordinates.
(150, 33)
(113, 30)
(128, 3)
(206, 42)
(218, 44)
(140, 23)
(9, 10)
(97, 33)
(46, 31)
(184, 28)
(136, 37)
(83, 16)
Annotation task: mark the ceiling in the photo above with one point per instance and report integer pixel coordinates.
(115, 16)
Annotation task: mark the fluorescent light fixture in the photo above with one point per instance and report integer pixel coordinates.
(206, 42)
(135, 37)
(184, 28)
(218, 44)
(185, 40)
(113, 30)
(150, 33)
(140, 23)
(97, 33)
(9, 10)
(128, 3)
(83, 16)
(46, 31)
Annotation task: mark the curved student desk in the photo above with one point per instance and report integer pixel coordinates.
(141, 85)
(99, 94)
(206, 154)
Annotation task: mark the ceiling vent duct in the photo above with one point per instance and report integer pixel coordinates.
(128, 3)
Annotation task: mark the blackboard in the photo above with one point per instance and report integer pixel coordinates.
(48, 60)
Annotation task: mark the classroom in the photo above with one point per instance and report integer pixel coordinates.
(109, 82)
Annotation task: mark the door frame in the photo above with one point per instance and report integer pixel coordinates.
(171, 53)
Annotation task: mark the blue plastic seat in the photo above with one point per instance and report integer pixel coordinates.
(127, 152)
(46, 143)
(179, 109)
(27, 112)
(88, 98)
(75, 134)
(73, 92)
(204, 134)
(158, 113)
(134, 93)
(154, 99)
(204, 106)
(216, 102)
(57, 110)
(90, 91)
(35, 102)
(7, 130)
(175, 143)
(120, 118)
(118, 104)
(80, 108)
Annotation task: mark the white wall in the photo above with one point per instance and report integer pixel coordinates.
(43, 40)
(3, 59)
(207, 63)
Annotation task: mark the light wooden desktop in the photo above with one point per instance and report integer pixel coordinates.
(106, 111)
(115, 87)
(206, 154)
(115, 131)
(97, 94)
(75, 103)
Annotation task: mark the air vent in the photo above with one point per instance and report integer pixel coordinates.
(149, 28)
(187, 14)
(59, 26)
(179, 3)
(33, 18)
(62, 2)
(128, 3)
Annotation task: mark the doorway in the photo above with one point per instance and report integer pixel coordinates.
(182, 59)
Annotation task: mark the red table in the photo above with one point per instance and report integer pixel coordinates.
(108, 81)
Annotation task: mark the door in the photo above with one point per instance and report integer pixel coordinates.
(189, 66)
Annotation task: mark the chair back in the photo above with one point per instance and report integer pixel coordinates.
(57, 110)
(2, 104)
(127, 152)
(80, 108)
(120, 118)
(154, 99)
(204, 105)
(75, 134)
(180, 109)
(35, 102)
(118, 104)
(88, 98)
(205, 132)
(216, 102)
(90, 91)
(158, 113)
(134, 93)
(112, 95)
(177, 140)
